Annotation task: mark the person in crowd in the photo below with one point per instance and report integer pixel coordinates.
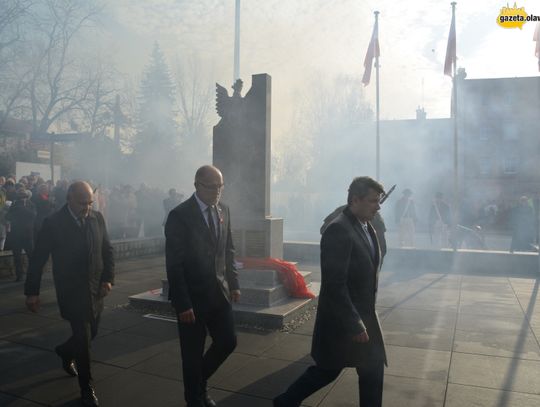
(60, 193)
(202, 282)
(172, 201)
(21, 217)
(439, 221)
(83, 270)
(130, 221)
(405, 213)
(44, 206)
(11, 192)
(149, 210)
(4, 206)
(116, 214)
(31, 181)
(347, 331)
(523, 226)
(24, 181)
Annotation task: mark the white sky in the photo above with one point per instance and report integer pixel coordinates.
(295, 40)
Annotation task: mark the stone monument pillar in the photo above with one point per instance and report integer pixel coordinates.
(241, 150)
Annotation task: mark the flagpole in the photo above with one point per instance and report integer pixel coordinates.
(377, 108)
(456, 162)
(236, 73)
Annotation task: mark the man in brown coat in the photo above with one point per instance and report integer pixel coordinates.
(347, 331)
(83, 270)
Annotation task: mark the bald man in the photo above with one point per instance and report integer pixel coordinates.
(203, 282)
(83, 270)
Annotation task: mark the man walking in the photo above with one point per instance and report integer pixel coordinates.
(83, 270)
(202, 282)
(347, 332)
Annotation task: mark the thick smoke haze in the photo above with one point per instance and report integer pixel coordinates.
(322, 116)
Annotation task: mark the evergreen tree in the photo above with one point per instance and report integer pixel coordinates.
(155, 145)
(156, 124)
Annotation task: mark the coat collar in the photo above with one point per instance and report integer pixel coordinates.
(357, 227)
(67, 212)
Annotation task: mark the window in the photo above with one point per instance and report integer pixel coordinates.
(510, 164)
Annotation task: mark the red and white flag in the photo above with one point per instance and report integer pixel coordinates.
(451, 48)
(373, 51)
(536, 38)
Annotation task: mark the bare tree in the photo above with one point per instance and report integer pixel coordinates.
(10, 29)
(195, 95)
(95, 113)
(13, 77)
(59, 84)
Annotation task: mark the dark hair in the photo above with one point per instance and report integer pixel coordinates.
(360, 187)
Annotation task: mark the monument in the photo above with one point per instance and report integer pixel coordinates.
(241, 150)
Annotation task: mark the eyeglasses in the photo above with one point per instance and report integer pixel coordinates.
(211, 187)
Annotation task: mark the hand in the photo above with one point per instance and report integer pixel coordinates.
(187, 317)
(235, 295)
(32, 302)
(361, 338)
(105, 289)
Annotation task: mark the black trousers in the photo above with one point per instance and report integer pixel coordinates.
(78, 347)
(370, 384)
(17, 247)
(197, 365)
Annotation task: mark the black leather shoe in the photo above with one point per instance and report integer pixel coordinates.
(208, 401)
(67, 364)
(89, 398)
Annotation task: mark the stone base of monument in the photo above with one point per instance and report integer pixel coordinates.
(264, 302)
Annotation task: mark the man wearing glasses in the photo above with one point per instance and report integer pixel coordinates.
(202, 282)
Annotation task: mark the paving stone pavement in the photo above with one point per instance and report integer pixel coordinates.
(454, 340)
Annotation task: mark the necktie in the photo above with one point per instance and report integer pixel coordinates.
(370, 240)
(211, 224)
(82, 222)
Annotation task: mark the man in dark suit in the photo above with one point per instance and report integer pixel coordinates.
(83, 270)
(202, 282)
(347, 332)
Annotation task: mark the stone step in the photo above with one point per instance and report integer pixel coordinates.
(250, 277)
(259, 287)
(276, 315)
(264, 296)
(272, 317)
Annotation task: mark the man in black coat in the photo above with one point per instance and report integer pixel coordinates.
(83, 270)
(347, 331)
(202, 282)
(21, 216)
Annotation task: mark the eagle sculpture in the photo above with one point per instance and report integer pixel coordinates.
(229, 106)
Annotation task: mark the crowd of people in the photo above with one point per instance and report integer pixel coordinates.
(520, 219)
(129, 212)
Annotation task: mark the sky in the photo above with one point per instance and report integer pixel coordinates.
(295, 39)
